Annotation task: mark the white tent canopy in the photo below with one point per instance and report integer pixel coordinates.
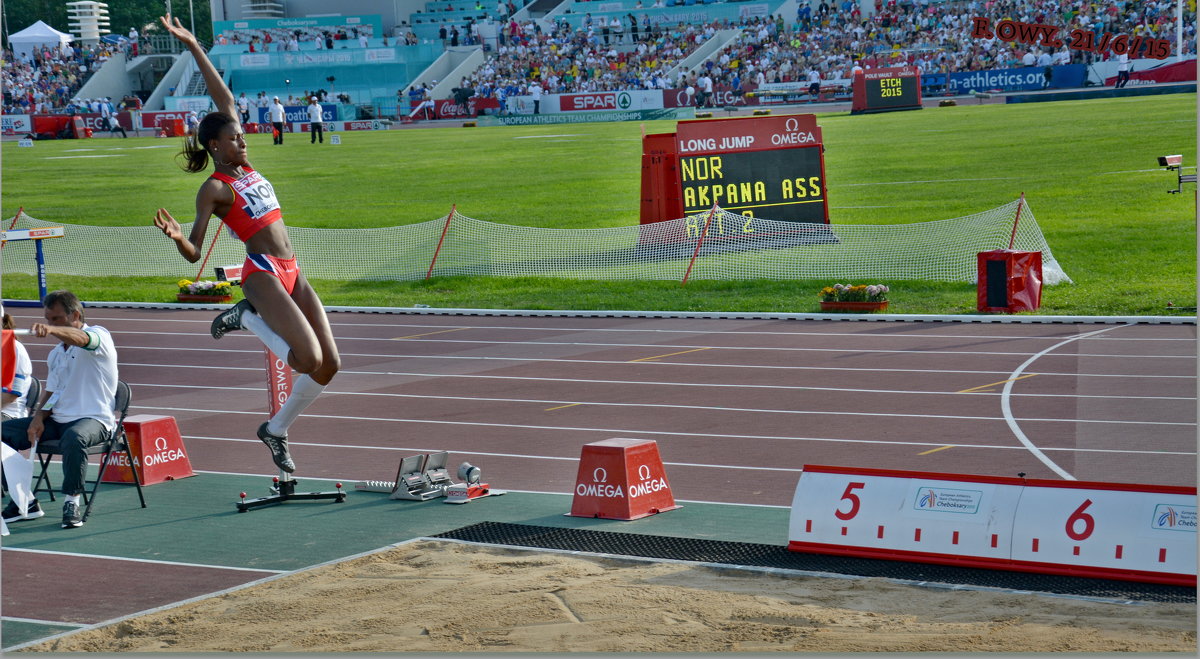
(36, 36)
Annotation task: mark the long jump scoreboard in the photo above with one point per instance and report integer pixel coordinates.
(766, 167)
(884, 90)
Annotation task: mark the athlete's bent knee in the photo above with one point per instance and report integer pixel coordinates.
(304, 361)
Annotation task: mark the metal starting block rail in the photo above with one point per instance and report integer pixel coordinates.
(424, 476)
(284, 490)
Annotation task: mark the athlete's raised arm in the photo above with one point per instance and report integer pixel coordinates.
(220, 94)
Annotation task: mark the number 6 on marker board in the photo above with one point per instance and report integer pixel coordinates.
(1089, 522)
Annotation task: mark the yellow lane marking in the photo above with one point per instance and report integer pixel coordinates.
(935, 450)
(669, 354)
(984, 386)
(413, 336)
(551, 409)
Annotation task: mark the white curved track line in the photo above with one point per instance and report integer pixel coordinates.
(1006, 404)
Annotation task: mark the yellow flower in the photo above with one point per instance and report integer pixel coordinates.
(183, 283)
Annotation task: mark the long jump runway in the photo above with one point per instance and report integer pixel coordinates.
(737, 408)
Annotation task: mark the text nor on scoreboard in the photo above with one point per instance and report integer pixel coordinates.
(770, 167)
(1144, 533)
(884, 90)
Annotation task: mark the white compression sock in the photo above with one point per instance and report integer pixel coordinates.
(256, 324)
(304, 391)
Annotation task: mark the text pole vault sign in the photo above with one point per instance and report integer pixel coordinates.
(884, 90)
(766, 167)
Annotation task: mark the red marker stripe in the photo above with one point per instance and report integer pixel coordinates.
(1035, 544)
(843, 530)
(917, 535)
(879, 533)
(1120, 550)
(1162, 555)
(808, 526)
(995, 541)
(1075, 550)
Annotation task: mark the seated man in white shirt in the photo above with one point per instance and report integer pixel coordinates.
(76, 405)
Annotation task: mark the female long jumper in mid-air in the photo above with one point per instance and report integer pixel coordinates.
(280, 307)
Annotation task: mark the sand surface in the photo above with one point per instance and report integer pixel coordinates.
(446, 597)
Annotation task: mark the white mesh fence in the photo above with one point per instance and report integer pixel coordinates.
(734, 247)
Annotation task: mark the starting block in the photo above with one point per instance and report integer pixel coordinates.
(420, 477)
(424, 476)
(472, 488)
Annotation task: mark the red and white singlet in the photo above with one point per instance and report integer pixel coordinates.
(254, 204)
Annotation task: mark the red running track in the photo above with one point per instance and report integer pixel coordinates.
(737, 406)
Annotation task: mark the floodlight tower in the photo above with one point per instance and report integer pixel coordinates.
(89, 20)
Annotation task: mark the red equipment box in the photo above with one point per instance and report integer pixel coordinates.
(1009, 281)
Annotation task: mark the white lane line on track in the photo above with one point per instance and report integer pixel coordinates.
(331, 392)
(143, 560)
(1006, 404)
(681, 346)
(815, 413)
(734, 386)
(426, 449)
(624, 362)
(38, 621)
(632, 330)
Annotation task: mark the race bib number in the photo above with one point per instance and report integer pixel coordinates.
(258, 193)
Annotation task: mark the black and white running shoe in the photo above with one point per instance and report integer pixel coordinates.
(279, 449)
(230, 319)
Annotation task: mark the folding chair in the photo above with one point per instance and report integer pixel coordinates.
(117, 441)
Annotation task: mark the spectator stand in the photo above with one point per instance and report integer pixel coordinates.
(357, 70)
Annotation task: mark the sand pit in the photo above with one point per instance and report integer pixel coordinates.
(431, 596)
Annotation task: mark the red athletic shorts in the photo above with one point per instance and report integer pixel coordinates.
(285, 269)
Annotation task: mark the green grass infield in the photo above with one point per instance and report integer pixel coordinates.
(1088, 170)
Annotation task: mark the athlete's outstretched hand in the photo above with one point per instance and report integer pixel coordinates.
(178, 30)
(168, 225)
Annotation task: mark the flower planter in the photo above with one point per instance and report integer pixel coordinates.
(856, 307)
(212, 299)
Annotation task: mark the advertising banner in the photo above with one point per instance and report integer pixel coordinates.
(625, 100)
(15, 124)
(1175, 72)
(723, 95)
(334, 126)
(371, 23)
(1022, 79)
(585, 117)
(295, 113)
(448, 109)
(155, 120)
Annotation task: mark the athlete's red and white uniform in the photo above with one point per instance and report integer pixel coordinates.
(255, 207)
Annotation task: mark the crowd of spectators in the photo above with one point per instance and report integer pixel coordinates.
(586, 59)
(825, 41)
(278, 40)
(48, 81)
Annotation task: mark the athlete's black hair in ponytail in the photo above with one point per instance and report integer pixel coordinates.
(195, 147)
